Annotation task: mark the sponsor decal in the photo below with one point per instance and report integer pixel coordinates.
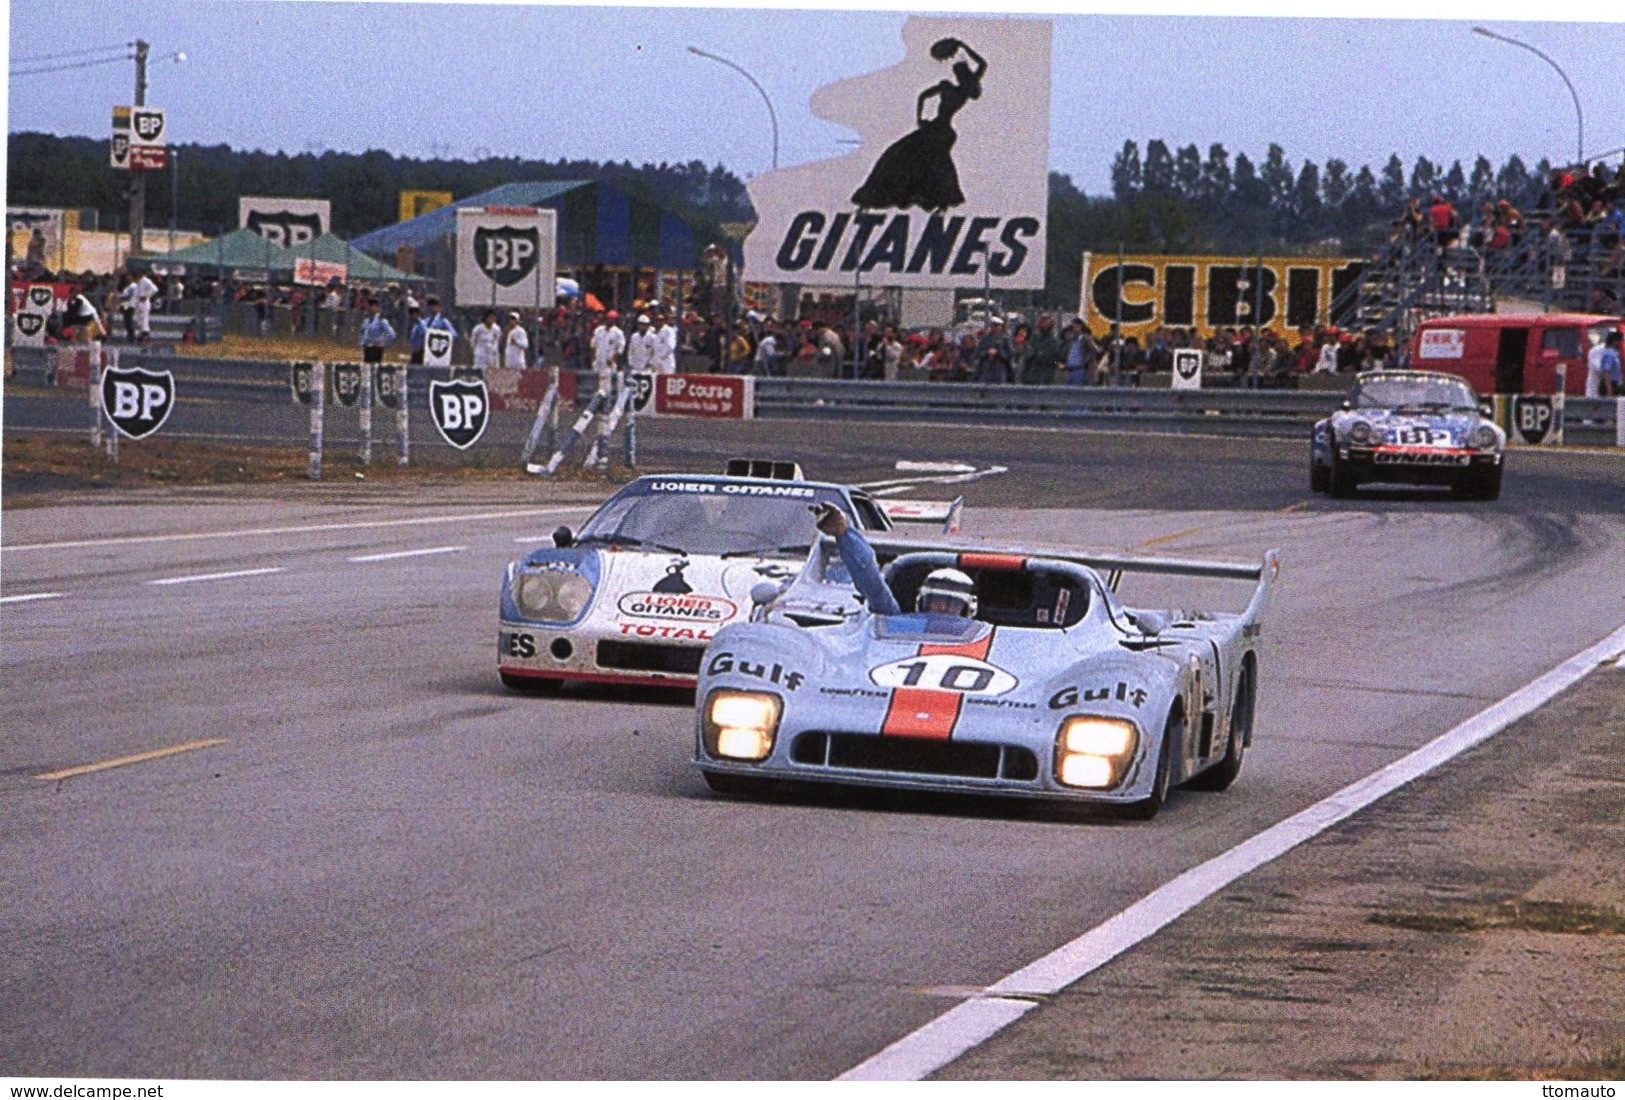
(949, 185)
(857, 692)
(1420, 435)
(683, 608)
(147, 126)
(674, 633)
(1187, 369)
(1121, 692)
(459, 410)
(507, 254)
(674, 583)
(775, 673)
(137, 400)
(1442, 343)
(437, 344)
(41, 295)
(30, 324)
(386, 383)
(945, 672)
(347, 383)
(1002, 704)
(511, 643)
(1420, 456)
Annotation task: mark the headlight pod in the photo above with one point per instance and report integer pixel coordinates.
(741, 725)
(551, 595)
(1094, 752)
(1484, 438)
(1361, 433)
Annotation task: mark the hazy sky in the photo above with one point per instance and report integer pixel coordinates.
(549, 81)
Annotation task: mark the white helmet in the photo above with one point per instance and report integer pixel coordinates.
(947, 592)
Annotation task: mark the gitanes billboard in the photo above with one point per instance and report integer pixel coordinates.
(951, 183)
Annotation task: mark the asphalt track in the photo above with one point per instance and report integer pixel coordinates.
(394, 868)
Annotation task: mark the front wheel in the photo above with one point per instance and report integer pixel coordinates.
(1173, 736)
(532, 685)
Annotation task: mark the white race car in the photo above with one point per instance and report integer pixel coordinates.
(638, 593)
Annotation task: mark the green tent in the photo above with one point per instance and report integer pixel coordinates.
(241, 249)
(361, 267)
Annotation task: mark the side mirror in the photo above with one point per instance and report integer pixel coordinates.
(763, 592)
(1486, 410)
(1150, 623)
(563, 537)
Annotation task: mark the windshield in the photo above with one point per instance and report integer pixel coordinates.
(701, 517)
(1415, 393)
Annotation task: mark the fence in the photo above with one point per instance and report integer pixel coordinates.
(1250, 413)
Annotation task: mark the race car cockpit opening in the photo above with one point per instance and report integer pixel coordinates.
(1030, 595)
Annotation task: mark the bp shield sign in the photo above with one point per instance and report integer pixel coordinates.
(437, 344)
(386, 383)
(459, 410)
(1187, 369)
(347, 383)
(137, 400)
(507, 254)
(302, 381)
(1537, 419)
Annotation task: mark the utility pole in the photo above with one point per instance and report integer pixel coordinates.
(138, 179)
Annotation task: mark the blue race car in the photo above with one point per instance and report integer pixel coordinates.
(1054, 690)
(1415, 427)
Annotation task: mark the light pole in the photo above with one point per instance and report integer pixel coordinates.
(771, 114)
(1579, 116)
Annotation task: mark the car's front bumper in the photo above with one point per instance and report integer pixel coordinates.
(1417, 466)
(541, 652)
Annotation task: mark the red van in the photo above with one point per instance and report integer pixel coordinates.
(1511, 352)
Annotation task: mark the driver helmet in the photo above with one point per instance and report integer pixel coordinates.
(947, 592)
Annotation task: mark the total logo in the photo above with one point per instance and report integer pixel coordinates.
(686, 607)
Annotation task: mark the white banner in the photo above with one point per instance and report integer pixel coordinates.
(951, 184)
(285, 222)
(506, 256)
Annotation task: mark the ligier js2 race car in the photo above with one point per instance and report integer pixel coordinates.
(1055, 690)
(1409, 426)
(639, 592)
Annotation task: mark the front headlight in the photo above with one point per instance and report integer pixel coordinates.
(1361, 433)
(741, 725)
(1094, 752)
(552, 595)
(1483, 438)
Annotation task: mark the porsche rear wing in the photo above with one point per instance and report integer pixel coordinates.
(945, 513)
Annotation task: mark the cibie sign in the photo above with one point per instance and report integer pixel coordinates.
(950, 186)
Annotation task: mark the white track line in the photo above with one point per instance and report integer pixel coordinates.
(218, 576)
(359, 525)
(917, 1055)
(31, 596)
(410, 553)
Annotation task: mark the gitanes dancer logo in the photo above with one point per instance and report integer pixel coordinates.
(950, 185)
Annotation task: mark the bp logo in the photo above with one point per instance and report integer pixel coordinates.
(643, 391)
(437, 347)
(459, 410)
(386, 383)
(347, 383)
(1534, 417)
(508, 254)
(40, 297)
(30, 324)
(284, 228)
(121, 149)
(1188, 362)
(149, 125)
(302, 380)
(137, 400)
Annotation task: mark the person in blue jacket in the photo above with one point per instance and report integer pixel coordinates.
(943, 592)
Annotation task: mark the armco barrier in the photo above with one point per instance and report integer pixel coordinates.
(1588, 421)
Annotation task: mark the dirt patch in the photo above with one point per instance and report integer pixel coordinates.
(38, 468)
(1464, 928)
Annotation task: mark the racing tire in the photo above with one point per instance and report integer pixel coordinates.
(727, 783)
(1480, 486)
(532, 685)
(1320, 478)
(1221, 775)
(1173, 734)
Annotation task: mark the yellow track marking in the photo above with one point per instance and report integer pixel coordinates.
(1169, 538)
(1292, 507)
(133, 758)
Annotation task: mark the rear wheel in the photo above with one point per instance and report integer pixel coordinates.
(1173, 736)
(1224, 773)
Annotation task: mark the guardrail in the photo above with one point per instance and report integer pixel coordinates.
(1284, 414)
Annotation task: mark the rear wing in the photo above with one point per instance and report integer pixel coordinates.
(945, 513)
(1111, 567)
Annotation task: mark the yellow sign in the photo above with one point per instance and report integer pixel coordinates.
(1144, 293)
(417, 203)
